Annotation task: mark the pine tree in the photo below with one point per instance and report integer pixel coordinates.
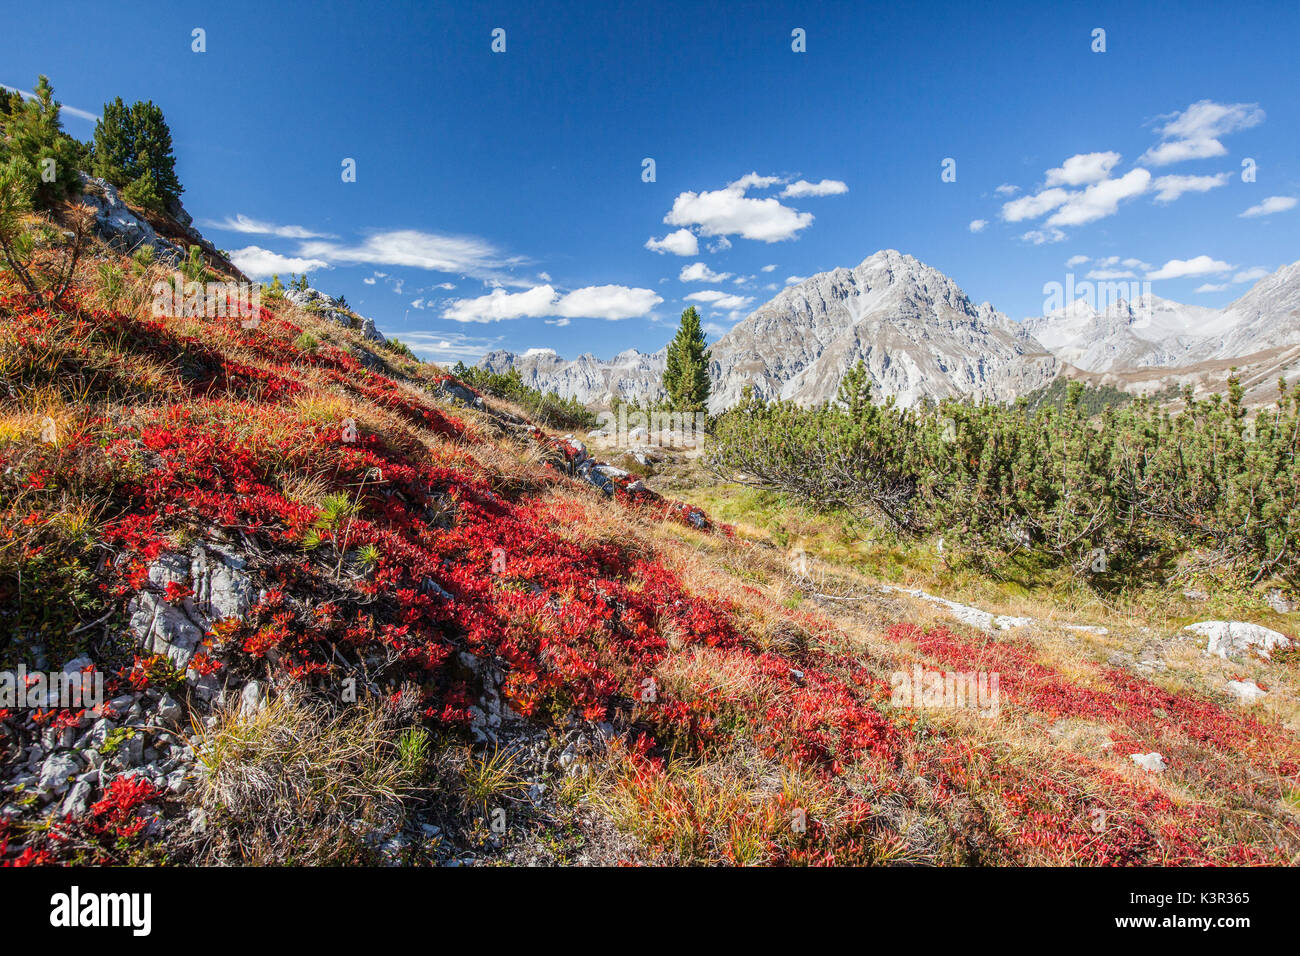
(686, 370)
(133, 150)
(153, 149)
(115, 145)
(34, 137)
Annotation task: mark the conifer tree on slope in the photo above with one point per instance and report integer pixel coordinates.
(133, 150)
(686, 370)
(34, 139)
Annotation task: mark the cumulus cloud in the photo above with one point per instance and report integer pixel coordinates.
(1041, 237)
(1211, 287)
(1250, 275)
(977, 225)
(827, 187)
(720, 300)
(679, 243)
(1194, 133)
(721, 244)
(259, 263)
(1031, 207)
(700, 272)
(1083, 169)
(1073, 261)
(730, 212)
(1271, 205)
(1006, 189)
(594, 302)
(1181, 268)
(246, 224)
(1169, 188)
(771, 268)
(1101, 199)
(795, 280)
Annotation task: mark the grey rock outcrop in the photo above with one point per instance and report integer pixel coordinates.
(326, 306)
(117, 224)
(1230, 639)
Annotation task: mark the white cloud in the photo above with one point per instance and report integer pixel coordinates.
(1031, 207)
(977, 225)
(1211, 287)
(827, 187)
(1109, 274)
(1250, 275)
(417, 304)
(700, 272)
(1100, 199)
(679, 243)
(720, 300)
(1083, 169)
(754, 181)
(63, 107)
(1073, 261)
(246, 224)
(1181, 268)
(445, 347)
(595, 302)
(368, 280)
(771, 268)
(1170, 188)
(721, 244)
(1271, 205)
(466, 255)
(795, 280)
(730, 212)
(1006, 189)
(259, 263)
(1194, 132)
(1138, 264)
(1043, 236)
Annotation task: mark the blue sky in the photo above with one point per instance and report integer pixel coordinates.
(499, 199)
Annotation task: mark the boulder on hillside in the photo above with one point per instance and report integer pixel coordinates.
(1227, 639)
(326, 306)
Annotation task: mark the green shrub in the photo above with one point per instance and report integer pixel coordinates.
(1127, 493)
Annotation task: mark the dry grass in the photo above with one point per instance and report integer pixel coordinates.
(297, 783)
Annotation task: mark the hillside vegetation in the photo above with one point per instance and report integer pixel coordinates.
(431, 643)
(1130, 496)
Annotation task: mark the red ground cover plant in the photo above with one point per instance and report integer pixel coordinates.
(578, 628)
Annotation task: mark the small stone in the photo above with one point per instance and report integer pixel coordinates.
(1151, 763)
(57, 771)
(252, 700)
(1246, 691)
(78, 799)
(170, 711)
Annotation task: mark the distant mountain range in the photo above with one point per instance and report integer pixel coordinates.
(920, 336)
